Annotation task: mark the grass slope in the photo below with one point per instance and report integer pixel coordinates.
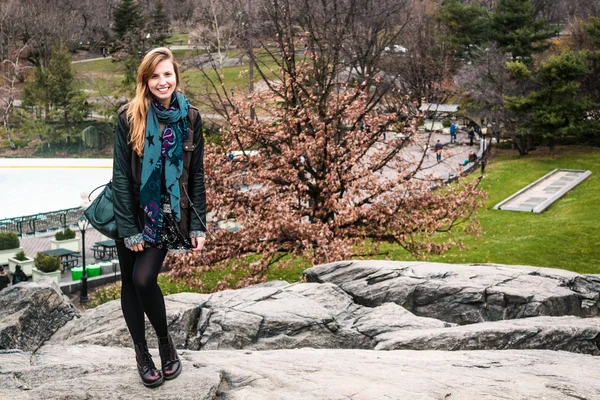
(564, 236)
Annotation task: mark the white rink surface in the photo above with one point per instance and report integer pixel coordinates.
(36, 185)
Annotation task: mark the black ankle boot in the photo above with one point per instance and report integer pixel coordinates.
(151, 377)
(170, 363)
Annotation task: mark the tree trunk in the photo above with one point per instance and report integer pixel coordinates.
(551, 146)
(521, 145)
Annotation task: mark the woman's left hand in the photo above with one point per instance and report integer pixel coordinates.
(198, 243)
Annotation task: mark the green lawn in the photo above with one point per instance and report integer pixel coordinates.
(98, 77)
(564, 236)
(233, 77)
(104, 66)
(178, 39)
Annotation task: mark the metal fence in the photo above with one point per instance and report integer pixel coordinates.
(40, 223)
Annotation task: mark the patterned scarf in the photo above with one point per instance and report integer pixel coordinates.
(153, 170)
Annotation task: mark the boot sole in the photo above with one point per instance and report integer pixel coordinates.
(154, 384)
(176, 374)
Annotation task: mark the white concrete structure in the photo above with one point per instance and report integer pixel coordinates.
(539, 195)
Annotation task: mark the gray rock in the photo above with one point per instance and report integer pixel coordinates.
(464, 294)
(274, 316)
(263, 318)
(283, 316)
(31, 312)
(66, 372)
(577, 335)
(104, 325)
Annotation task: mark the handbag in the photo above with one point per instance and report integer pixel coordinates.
(101, 213)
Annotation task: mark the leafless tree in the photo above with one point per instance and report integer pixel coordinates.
(483, 86)
(9, 27)
(219, 26)
(43, 22)
(424, 71)
(12, 73)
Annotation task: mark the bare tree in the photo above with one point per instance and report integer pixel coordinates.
(314, 176)
(43, 23)
(12, 73)
(375, 27)
(219, 26)
(10, 30)
(484, 84)
(423, 70)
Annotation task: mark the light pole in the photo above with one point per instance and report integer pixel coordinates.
(483, 132)
(83, 225)
(251, 56)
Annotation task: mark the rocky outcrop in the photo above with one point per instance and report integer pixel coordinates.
(284, 316)
(464, 294)
(313, 337)
(96, 372)
(262, 317)
(578, 335)
(30, 313)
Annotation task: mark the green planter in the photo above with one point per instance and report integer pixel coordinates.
(93, 270)
(76, 273)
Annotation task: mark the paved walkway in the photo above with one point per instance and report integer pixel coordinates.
(453, 155)
(33, 245)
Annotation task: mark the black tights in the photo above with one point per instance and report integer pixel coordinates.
(140, 293)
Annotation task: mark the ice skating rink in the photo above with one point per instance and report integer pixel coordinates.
(36, 185)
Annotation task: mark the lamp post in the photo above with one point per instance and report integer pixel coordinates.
(251, 56)
(483, 132)
(83, 225)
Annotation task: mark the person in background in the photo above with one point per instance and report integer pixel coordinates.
(453, 129)
(159, 201)
(471, 134)
(19, 275)
(4, 279)
(438, 151)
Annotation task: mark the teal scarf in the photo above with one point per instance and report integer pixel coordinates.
(168, 148)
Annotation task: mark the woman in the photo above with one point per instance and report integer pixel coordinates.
(159, 200)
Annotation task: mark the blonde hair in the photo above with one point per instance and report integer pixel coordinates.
(138, 107)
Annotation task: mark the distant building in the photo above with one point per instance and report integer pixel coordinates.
(439, 111)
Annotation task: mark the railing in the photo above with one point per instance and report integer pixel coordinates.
(40, 223)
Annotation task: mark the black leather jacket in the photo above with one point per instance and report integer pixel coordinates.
(127, 174)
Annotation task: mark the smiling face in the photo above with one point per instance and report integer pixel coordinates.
(163, 82)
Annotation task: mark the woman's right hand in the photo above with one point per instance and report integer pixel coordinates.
(137, 247)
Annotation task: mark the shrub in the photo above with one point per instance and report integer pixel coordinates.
(17, 143)
(20, 256)
(105, 294)
(46, 263)
(446, 123)
(66, 234)
(20, 143)
(9, 240)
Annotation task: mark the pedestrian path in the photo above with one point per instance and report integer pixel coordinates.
(33, 245)
(420, 151)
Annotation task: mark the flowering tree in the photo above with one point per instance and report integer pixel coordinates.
(315, 175)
